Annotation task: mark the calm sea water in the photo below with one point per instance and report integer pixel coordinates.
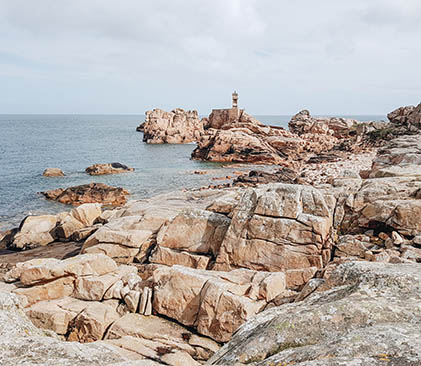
(31, 143)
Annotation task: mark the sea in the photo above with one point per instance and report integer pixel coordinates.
(31, 143)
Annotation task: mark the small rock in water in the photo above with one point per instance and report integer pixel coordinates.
(53, 172)
(111, 168)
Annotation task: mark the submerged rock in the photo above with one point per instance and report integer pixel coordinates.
(88, 193)
(111, 168)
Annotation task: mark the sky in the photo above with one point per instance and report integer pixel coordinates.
(282, 56)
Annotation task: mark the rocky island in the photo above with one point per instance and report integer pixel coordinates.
(314, 263)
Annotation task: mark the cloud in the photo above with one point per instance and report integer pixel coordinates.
(330, 56)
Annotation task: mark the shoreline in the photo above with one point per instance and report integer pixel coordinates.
(200, 275)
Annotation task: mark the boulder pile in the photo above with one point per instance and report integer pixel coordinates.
(35, 231)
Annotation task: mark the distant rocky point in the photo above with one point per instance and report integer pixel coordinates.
(175, 127)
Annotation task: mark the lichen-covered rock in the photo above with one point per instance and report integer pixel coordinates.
(21, 343)
(364, 314)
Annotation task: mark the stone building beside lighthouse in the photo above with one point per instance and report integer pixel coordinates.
(220, 117)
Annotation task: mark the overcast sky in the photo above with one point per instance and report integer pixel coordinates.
(127, 56)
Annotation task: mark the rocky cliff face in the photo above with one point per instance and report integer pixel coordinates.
(175, 127)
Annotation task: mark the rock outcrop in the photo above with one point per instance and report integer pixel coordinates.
(175, 127)
(21, 343)
(35, 231)
(111, 168)
(363, 314)
(89, 298)
(215, 303)
(238, 137)
(304, 123)
(53, 172)
(279, 228)
(257, 177)
(409, 117)
(245, 139)
(88, 193)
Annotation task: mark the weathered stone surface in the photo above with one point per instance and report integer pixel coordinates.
(352, 246)
(170, 257)
(46, 269)
(53, 172)
(151, 335)
(175, 127)
(119, 241)
(52, 290)
(91, 323)
(404, 151)
(88, 193)
(67, 227)
(225, 204)
(110, 168)
(34, 231)
(21, 343)
(56, 314)
(256, 177)
(216, 303)
(87, 213)
(364, 314)
(94, 287)
(303, 123)
(277, 228)
(195, 231)
(409, 116)
(236, 145)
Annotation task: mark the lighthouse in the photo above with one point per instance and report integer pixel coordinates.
(235, 100)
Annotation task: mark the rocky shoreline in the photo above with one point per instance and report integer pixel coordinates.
(314, 261)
